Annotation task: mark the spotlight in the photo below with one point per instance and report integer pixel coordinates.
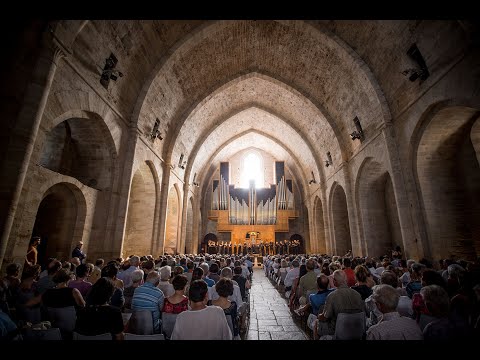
(357, 134)
(109, 72)
(421, 71)
(313, 181)
(329, 161)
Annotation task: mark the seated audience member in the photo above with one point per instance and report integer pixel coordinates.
(404, 307)
(178, 302)
(308, 282)
(213, 272)
(429, 277)
(165, 285)
(347, 269)
(317, 301)
(445, 327)
(8, 328)
(242, 282)
(343, 299)
(150, 297)
(361, 275)
(99, 317)
(201, 322)
(137, 280)
(110, 271)
(224, 289)
(12, 282)
(291, 275)
(97, 271)
(206, 268)
(27, 291)
(62, 295)
(46, 282)
(236, 296)
(415, 283)
(391, 326)
(80, 283)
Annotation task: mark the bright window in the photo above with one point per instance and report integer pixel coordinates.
(252, 170)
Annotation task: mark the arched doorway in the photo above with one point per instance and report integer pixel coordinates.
(59, 222)
(82, 147)
(171, 231)
(448, 176)
(139, 228)
(320, 240)
(189, 228)
(341, 226)
(378, 210)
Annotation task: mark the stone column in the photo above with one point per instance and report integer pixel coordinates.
(24, 135)
(183, 226)
(326, 222)
(196, 223)
(160, 243)
(355, 236)
(411, 247)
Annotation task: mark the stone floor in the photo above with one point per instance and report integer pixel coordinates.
(270, 318)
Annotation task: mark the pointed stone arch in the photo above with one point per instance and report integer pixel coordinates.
(140, 224)
(376, 203)
(60, 221)
(173, 221)
(447, 173)
(342, 241)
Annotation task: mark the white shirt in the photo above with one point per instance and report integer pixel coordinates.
(206, 324)
(392, 326)
(237, 295)
(292, 274)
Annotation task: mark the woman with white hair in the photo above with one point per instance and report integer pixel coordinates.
(164, 284)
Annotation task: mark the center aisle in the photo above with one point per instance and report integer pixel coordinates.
(270, 318)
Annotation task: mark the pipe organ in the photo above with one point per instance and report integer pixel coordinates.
(242, 211)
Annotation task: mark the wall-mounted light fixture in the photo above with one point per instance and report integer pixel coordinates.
(109, 72)
(329, 161)
(181, 162)
(419, 72)
(312, 181)
(194, 182)
(357, 134)
(155, 131)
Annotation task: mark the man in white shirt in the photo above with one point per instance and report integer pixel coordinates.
(392, 326)
(201, 322)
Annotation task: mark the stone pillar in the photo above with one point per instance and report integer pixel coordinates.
(183, 225)
(24, 134)
(196, 224)
(355, 236)
(326, 222)
(411, 247)
(114, 230)
(162, 221)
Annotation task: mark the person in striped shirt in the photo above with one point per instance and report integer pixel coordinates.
(150, 297)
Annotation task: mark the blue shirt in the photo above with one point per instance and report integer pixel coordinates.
(319, 299)
(149, 297)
